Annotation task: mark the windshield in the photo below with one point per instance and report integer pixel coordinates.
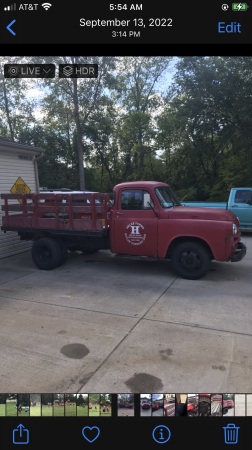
(166, 197)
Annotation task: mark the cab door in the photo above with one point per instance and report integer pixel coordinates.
(134, 224)
(242, 206)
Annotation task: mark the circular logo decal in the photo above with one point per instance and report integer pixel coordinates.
(135, 233)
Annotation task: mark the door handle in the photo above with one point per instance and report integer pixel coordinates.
(119, 213)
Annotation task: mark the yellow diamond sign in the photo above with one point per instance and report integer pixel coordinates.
(20, 187)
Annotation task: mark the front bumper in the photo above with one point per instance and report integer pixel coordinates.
(240, 252)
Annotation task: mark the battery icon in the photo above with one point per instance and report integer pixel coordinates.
(239, 6)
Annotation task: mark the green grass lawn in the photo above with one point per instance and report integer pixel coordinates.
(58, 411)
(47, 411)
(35, 410)
(70, 410)
(11, 409)
(82, 411)
(2, 409)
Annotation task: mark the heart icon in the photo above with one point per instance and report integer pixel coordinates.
(90, 433)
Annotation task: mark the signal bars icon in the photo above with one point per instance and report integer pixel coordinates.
(46, 6)
(10, 7)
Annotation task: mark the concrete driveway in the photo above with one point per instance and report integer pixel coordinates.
(107, 324)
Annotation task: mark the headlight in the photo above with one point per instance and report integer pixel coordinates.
(235, 229)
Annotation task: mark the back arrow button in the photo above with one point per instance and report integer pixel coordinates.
(9, 27)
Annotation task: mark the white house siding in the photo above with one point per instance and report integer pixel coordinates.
(14, 164)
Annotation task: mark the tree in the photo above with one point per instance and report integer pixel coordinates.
(209, 107)
(16, 109)
(80, 98)
(136, 91)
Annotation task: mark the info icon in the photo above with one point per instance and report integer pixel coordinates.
(161, 434)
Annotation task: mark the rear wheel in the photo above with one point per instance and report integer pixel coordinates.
(190, 260)
(47, 253)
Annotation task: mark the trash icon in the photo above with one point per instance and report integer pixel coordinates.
(231, 434)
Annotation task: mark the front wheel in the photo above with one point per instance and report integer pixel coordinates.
(190, 260)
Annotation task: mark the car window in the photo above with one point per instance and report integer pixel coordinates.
(136, 199)
(242, 196)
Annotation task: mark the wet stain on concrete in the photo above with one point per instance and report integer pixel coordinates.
(166, 353)
(222, 368)
(143, 382)
(75, 351)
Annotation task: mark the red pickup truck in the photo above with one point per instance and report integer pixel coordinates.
(140, 218)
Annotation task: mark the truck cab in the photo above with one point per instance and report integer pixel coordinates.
(147, 219)
(240, 203)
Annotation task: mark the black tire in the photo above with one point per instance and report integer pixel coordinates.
(190, 260)
(46, 253)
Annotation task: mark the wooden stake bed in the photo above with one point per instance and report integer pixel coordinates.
(66, 211)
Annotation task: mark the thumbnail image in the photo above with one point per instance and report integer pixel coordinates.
(169, 405)
(193, 405)
(82, 405)
(248, 405)
(58, 405)
(47, 405)
(216, 404)
(204, 404)
(240, 404)
(157, 404)
(35, 405)
(11, 405)
(145, 405)
(2, 405)
(228, 405)
(181, 404)
(70, 405)
(106, 405)
(94, 405)
(23, 405)
(125, 405)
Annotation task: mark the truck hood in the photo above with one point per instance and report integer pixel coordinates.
(186, 212)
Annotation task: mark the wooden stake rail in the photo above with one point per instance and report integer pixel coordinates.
(66, 211)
